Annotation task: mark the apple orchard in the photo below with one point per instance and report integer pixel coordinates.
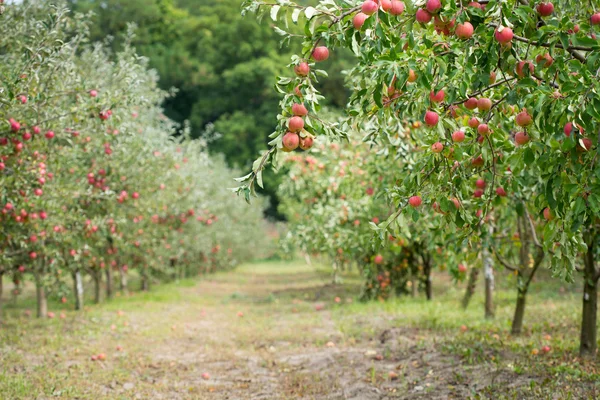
(95, 185)
(473, 130)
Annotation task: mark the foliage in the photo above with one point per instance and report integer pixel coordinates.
(92, 179)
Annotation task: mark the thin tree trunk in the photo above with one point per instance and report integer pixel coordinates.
(109, 282)
(428, 285)
(145, 283)
(414, 286)
(307, 259)
(470, 291)
(1, 292)
(97, 276)
(488, 272)
(123, 281)
(42, 302)
(78, 289)
(588, 343)
(517, 322)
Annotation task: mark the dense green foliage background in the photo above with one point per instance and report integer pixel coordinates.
(222, 64)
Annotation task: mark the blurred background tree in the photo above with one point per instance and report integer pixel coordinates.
(223, 65)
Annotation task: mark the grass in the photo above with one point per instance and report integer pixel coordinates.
(258, 334)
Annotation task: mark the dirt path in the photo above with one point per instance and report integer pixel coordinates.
(279, 331)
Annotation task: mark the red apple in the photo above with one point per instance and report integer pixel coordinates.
(397, 7)
(423, 16)
(471, 104)
(484, 104)
(478, 193)
(321, 53)
(503, 34)
(290, 141)
(378, 259)
(464, 31)
(358, 20)
(523, 118)
(458, 136)
(521, 66)
(437, 147)
(437, 97)
(595, 19)
(431, 118)
(369, 7)
(480, 183)
(548, 214)
(386, 5)
(547, 57)
(295, 124)
(302, 69)
(306, 142)
(521, 138)
(545, 9)
(473, 122)
(462, 268)
(433, 6)
(415, 201)
(483, 129)
(500, 191)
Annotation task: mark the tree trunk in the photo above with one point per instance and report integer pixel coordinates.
(42, 302)
(145, 282)
(517, 322)
(1, 290)
(428, 285)
(123, 281)
(78, 289)
(97, 275)
(109, 282)
(470, 291)
(588, 342)
(488, 272)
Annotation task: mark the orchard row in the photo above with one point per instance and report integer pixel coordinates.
(95, 182)
(479, 122)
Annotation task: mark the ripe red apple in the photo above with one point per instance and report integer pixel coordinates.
(478, 193)
(500, 191)
(545, 9)
(290, 141)
(386, 5)
(547, 57)
(492, 77)
(484, 104)
(520, 68)
(464, 31)
(477, 161)
(359, 20)
(548, 214)
(93, 93)
(49, 135)
(587, 144)
(475, 4)
(437, 147)
(412, 76)
(369, 7)
(433, 6)
(205, 376)
(480, 183)
(595, 19)
(101, 356)
(397, 7)
(523, 118)
(462, 268)
(302, 69)
(306, 142)
(423, 16)
(473, 122)
(458, 136)
(503, 34)
(14, 125)
(545, 349)
(415, 201)
(471, 104)
(483, 129)
(295, 124)
(378, 259)
(437, 97)
(521, 138)
(431, 118)
(321, 53)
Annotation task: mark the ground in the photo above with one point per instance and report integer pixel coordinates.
(274, 330)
